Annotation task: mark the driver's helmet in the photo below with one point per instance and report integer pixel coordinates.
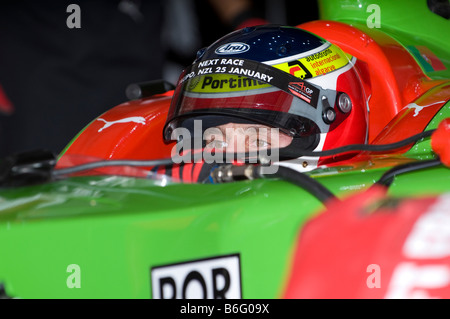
(278, 76)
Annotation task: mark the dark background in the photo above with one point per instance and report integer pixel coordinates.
(59, 79)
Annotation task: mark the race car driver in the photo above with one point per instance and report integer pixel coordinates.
(269, 87)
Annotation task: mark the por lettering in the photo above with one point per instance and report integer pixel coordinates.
(194, 285)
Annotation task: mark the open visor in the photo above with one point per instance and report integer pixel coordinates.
(220, 91)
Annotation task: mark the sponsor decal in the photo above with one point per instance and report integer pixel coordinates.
(424, 272)
(233, 48)
(135, 119)
(299, 70)
(319, 55)
(330, 59)
(225, 83)
(216, 75)
(417, 108)
(299, 89)
(212, 278)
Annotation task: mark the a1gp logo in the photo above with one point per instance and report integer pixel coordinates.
(212, 278)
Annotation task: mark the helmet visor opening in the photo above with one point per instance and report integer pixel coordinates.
(234, 98)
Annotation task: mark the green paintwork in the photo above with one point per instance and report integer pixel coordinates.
(117, 228)
(415, 25)
(422, 149)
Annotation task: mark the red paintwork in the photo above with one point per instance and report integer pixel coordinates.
(128, 140)
(251, 22)
(393, 77)
(338, 266)
(413, 119)
(5, 104)
(390, 75)
(353, 129)
(440, 141)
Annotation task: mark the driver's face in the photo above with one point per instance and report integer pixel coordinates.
(239, 138)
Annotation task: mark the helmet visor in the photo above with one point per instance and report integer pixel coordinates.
(249, 92)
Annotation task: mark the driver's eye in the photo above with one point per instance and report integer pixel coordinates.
(258, 143)
(261, 143)
(216, 144)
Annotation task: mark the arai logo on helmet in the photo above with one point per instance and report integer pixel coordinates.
(233, 48)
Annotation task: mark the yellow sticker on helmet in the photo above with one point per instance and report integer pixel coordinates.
(216, 83)
(330, 59)
(207, 81)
